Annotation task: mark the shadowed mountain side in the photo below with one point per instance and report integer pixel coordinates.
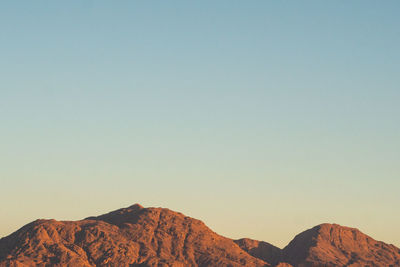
(259, 249)
(119, 217)
(134, 236)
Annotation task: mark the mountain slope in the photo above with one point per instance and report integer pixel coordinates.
(134, 236)
(137, 236)
(334, 245)
(260, 249)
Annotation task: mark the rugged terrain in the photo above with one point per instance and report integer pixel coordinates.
(335, 245)
(137, 236)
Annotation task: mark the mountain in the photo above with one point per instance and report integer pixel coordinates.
(334, 245)
(133, 236)
(137, 236)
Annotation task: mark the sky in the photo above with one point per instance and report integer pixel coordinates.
(261, 118)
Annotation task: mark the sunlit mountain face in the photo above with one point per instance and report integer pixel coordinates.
(138, 236)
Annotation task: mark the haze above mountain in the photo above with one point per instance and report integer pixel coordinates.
(137, 236)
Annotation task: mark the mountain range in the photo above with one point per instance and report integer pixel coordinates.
(138, 236)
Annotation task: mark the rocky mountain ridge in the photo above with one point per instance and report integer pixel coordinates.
(137, 236)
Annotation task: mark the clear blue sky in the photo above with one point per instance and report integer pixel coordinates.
(261, 118)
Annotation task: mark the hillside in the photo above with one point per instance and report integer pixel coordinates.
(137, 236)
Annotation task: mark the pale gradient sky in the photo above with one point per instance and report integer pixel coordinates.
(260, 118)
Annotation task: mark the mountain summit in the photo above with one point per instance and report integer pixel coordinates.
(138, 236)
(335, 245)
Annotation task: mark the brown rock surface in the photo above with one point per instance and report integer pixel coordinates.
(134, 236)
(138, 236)
(334, 245)
(261, 250)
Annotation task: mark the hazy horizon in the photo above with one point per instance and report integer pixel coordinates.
(260, 118)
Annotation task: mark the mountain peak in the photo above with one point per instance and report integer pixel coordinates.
(136, 206)
(120, 216)
(133, 236)
(335, 245)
